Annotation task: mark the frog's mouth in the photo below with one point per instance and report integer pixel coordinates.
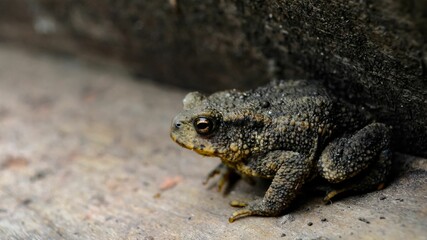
(203, 150)
(199, 148)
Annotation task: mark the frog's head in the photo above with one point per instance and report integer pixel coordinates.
(212, 127)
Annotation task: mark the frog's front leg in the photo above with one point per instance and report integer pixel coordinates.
(290, 170)
(226, 174)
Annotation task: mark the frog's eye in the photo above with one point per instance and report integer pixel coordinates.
(203, 125)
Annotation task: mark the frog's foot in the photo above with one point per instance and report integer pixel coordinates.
(356, 187)
(331, 194)
(227, 176)
(255, 208)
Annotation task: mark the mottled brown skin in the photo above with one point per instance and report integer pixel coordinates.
(290, 132)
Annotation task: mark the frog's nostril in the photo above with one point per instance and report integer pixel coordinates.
(178, 124)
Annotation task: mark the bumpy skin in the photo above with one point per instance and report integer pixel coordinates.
(290, 132)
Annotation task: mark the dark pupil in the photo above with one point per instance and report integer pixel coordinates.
(203, 126)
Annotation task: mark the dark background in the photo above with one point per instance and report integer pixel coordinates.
(370, 52)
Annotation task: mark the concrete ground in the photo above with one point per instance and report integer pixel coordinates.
(85, 154)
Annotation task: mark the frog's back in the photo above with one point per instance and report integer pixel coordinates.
(300, 99)
(310, 103)
(297, 98)
(277, 97)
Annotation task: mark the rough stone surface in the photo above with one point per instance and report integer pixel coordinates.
(371, 52)
(85, 154)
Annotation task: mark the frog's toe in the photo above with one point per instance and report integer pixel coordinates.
(250, 209)
(240, 214)
(238, 204)
(331, 194)
(254, 208)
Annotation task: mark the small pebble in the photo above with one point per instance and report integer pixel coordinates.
(364, 220)
(309, 223)
(324, 220)
(27, 201)
(383, 198)
(287, 218)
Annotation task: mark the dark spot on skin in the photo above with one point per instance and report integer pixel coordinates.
(265, 104)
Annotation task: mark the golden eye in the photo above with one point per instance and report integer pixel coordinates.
(203, 125)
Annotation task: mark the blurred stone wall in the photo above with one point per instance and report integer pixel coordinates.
(370, 52)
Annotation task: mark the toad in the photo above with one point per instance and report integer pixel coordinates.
(290, 132)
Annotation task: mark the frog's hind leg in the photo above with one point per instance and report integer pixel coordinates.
(372, 179)
(360, 162)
